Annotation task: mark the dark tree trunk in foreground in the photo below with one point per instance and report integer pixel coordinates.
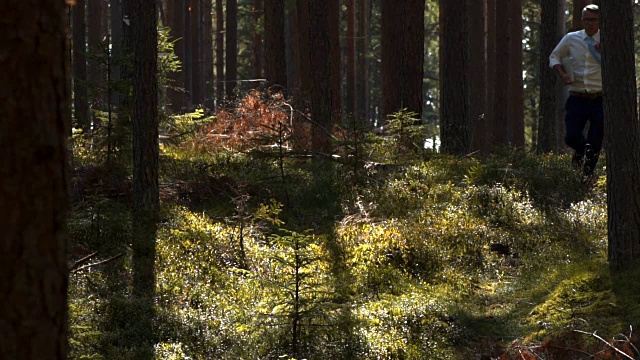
(351, 58)
(207, 50)
(34, 118)
(145, 165)
(501, 87)
(623, 134)
(454, 65)
(274, 45)
(258, 11)
(578, 5)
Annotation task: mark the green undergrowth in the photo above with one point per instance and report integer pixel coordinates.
(267, 258)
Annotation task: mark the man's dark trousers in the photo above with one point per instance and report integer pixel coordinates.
(579, 111)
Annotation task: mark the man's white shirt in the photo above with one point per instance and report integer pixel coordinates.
(587, 73)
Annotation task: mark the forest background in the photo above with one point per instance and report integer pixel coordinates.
(359, 179)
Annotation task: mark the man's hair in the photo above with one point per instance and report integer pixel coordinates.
(591, 8)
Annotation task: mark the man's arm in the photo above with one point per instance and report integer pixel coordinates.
(563, 74)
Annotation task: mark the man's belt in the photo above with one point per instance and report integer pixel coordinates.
(588, 95)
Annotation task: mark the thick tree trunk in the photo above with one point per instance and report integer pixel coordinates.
(34, 185)
(274, 46)
(490, 73)
(231, 76)
(547, 128)
(402, 56)
(454, 72)
(623, 134)
(189, 62)
(501, 88)
(477, 73)
(321, 92)
(116, 48)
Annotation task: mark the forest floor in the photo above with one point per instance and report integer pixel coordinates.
(272, 255)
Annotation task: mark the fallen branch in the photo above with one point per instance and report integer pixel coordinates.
(82, 261)
(605, 342)
(106, 261)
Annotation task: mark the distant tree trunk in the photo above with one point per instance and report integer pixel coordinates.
(334, 54)
(274, 45)
(169, 6)
(231, 75)
(177, 95)
(516, 83)
(578, 5)
(562, 91)
(189, 62)
(547, 129)
(623, 134)
(402, 55)
(477, 73)
(501, 88)
(95, 68)
(351, 58)
(116, 48)
(34, 183)
(321, 65)
(454, 72)
(219, 53)
(258, 11)
(196, 49)
(80, 101)
(362, 67)
(305, 69)
(490, 74)
(207, 49)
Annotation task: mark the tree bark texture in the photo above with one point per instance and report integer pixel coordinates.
(274, 45)
(490, 14)
(623, 133)
(501, 87)
(231, 74)
(145, 145)
(95, 69)
(334, 54)
(402, 55)
(547, 129)
(454, 72)
(477, 73)
(34, 118)
(321, 91)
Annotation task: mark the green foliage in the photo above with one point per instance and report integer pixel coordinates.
(402, 268)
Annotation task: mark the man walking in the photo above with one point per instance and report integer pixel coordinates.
(584, 78)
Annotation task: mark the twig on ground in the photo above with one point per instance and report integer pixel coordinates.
(605, 342)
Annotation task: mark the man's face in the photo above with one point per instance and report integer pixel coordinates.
(591, 23)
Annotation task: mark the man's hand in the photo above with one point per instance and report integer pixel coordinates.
(567, 80)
